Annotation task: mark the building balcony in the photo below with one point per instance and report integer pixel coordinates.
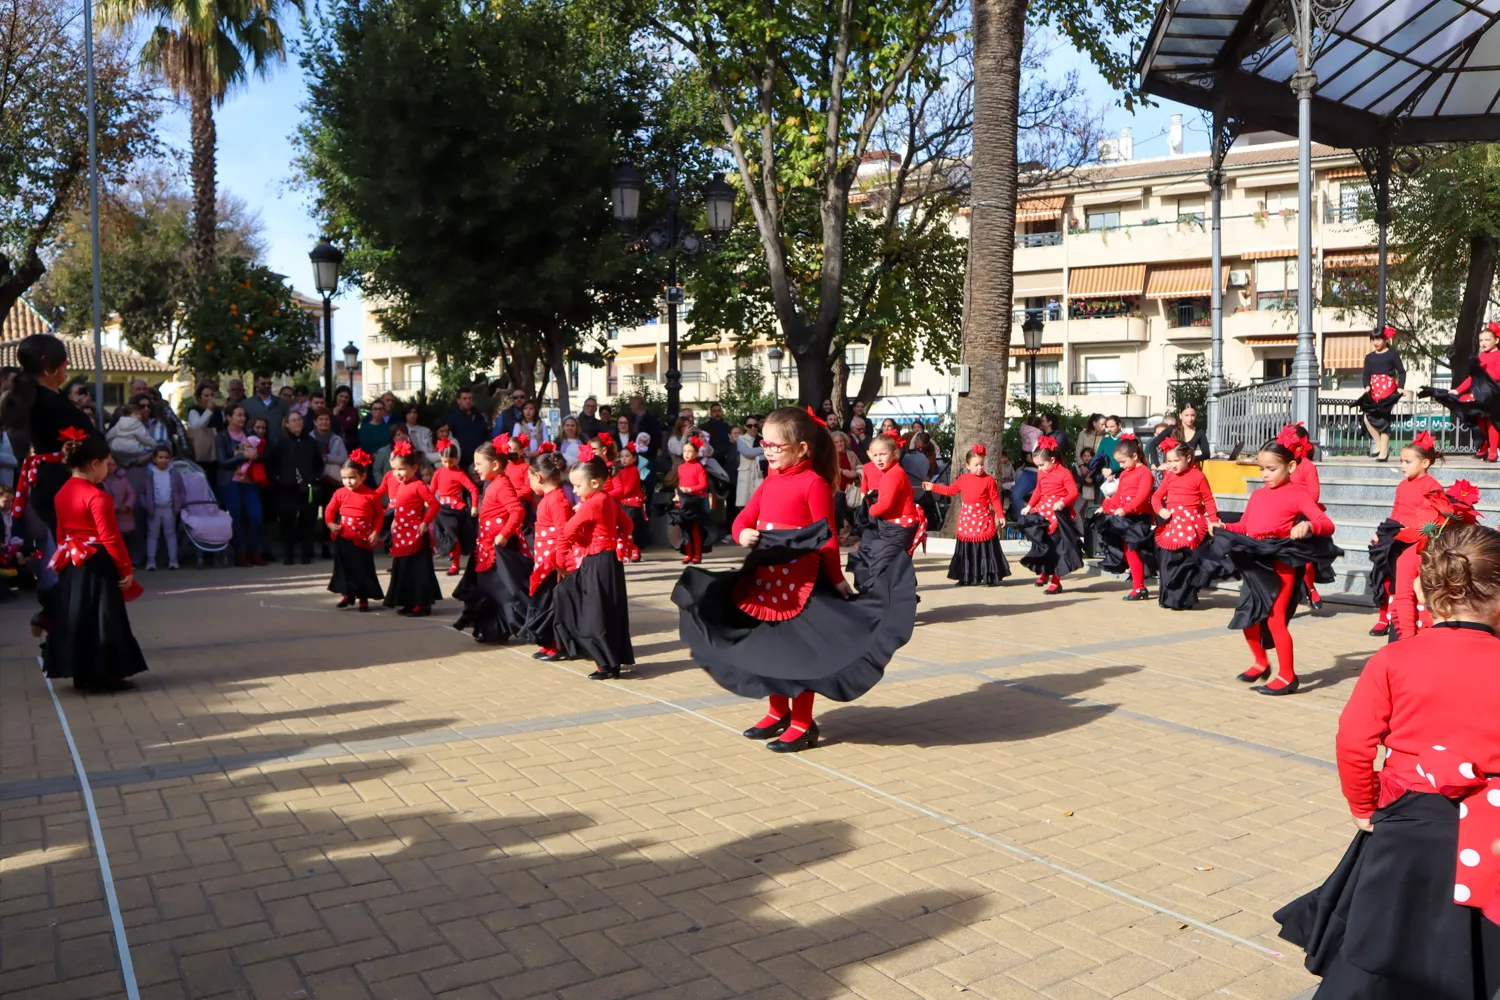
(1107, 330)
(1045, 254)
(1032, 241)
(1243, 323)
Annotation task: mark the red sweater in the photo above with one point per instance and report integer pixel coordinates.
(625, 486)
(895, 501)
(598, 524)
(550, 551)
(519, 474)
(980, 507)
(1411, 508)
(415, 508)
(1271, 511)
(1186, 490)
(1490, 362)
(1134, 493)
(501, 512)
(1056, 484)
(1305, 475)
(357, 513)
(692, 478)
(1437, 688)
(388, 487)
(795, 498)
(454, 489)
(86, 516)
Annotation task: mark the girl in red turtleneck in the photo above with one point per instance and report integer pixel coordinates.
(894, 500)
(691, 500)
(1186, 509)
(1413, 509)
(353, 516)
(625, 487)
(1047, 520)
(1489, 360)
(414, 585)
(1132, 501)
(1295, 438)
(592, 610)
(976, 550)
(1279, 509)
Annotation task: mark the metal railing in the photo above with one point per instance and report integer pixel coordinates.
(376, 388)
(1341, 426)
(1100, 388)
(1051, 313)
(1252, 414)
(1039, 239)
(695, 376)
(1349, 213)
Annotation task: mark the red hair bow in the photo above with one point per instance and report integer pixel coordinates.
(1389, 333)
(895, 435)
(696, 442)
(585, 453)
(401, 448)
(630, 447)
(524, 440)
(606, 437)
(502, 441)
(1047, 441)
(1291, 438)
(73, 434)
(1425, 441)
(360, 457)
(816, 419)
(1168, 443)
(1127, 436)
(546, 446)
(1493, 327)
(979, 450)
(442, 445)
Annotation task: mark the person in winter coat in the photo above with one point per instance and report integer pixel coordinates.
(295, 468)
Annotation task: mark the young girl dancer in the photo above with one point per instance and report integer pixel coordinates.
(552, 556)
(1185, 505)
(690, 510)
(1384, 378)
(353, 517)
(1409, 911)
(1397, 545)
(976, 553)
(494, 588)
(1476, 400)
(1294, 438)
(625, 487)
(1269, 549)
(517, 466)
(592, 613)
(893, 502)
(458, 503)
(783, 626)
(1047, 520)
(1125, 521)
(90, 638)
(414, 585)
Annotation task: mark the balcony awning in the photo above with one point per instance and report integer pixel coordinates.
(1112, 279)
(1273, 253)
(643, 355)
(1020, 353)
(1345, 351)
(1037, 283)
(699, 348)
(1346, 174)
(1272, 340)
(1258, 182)
(1181, 281)
(1034, 209)
(1109, 197)
(1368, 257)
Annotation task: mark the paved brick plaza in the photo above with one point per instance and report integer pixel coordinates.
(1064, 797)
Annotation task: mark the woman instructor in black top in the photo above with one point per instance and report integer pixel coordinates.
(35, 409)
(1384, 379)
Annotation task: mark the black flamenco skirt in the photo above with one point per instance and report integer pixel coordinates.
(1117, 532)
(1485, 401)
(592, 614)
(1384, 552)
(1378, 412)
(1384, 925)
(90, 639)
(1052, 553)
(453, 528)
(354, 572)
(880, 544)
(835, 647)
(1179, 579)
(1229, 555)
(540, 623)
(691, 511)
(413, 582)
(637, 517)
(977, 563)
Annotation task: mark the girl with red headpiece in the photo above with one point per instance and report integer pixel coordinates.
(458, 503)
(1185, 508)
(1269, 549)
(1295, 439)
(1384, 379)
(1047, 520)
(1124, 521)
(889, 524)
(1409, 913)
(625, 486)
(1476, 400)
(353, 516)
(414, 585)
(690, 507)
(591, 609)
(1397, 545)
(786, 625)
(494, 586)
(976, 552)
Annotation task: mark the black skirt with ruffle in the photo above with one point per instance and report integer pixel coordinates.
(354, 572)
(1117, 532)
(975, 563)
(413, 582)
(90, 639)
(1053, 553)
(1230, 555)
(1484, 401)
(592, 615)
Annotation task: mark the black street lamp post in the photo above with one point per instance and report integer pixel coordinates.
(670, 237)
(773, 357)
(1031, 332)
(326, 259)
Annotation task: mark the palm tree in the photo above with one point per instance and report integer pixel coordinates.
(999, 31)
(203, 48)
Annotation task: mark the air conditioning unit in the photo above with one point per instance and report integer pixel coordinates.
(960, 375)
(1239, 279)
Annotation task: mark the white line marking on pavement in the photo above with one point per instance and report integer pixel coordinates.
(127, 967)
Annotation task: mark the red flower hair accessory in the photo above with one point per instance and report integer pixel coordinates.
(360, 457)
(980, 450)
(1463, 491)
(606, 437)
(524, 440)
(696, 442)
(1389, 333)
(1425, 441)
(630, 447)
(1047, 441)
(1168, 443)
(816, 419)
(895, 436)
(1457, 504)
(1127, 436)
(1493, 327)
(73, 434)
(585, 453)
(501, 441)
(1291, 438)
(401, 448)
(546, 446)
(443, 444)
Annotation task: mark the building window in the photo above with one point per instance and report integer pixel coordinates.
(1279, 201)
(1189, 312)
(612, 380)
(1191, 209)
(414, 376)
(1048, 376)
(1277, 368)
(1104, 217)
(1276, 284)
(903, 376)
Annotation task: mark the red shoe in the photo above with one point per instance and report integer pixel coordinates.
(453, 570)
(1053, 588)
(1041, 581)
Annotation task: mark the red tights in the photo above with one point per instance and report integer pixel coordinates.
(1311, 579)
(1137, 569)
(1490, 447)
(1286, 668)
(1409, 614)
(800, 708)
(692, 544)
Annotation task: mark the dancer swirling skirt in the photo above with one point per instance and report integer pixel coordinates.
(1475, 402)
(414, 586)
(592, 612)
(1048, 521)
(1121, 535)
(977, 558)
(1185, 508)
(494, 585)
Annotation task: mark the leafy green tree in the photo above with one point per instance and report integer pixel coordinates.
(463, 158)
(245, 320)
(44, 130)
(743, 393)
(203, 49)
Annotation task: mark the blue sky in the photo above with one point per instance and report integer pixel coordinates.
(256, 124)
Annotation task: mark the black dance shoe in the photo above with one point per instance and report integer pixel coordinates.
(403, 612)
(1274, 692)
(1381, 630)
(1316, 603)
(110, 686)
(1137, 595)
(1251, 678)
(766, 732)
(806, 741)
(347, 602)
(605, 674)
(547, 656)
(40, 626)
(1041, 581)
(1053, 588)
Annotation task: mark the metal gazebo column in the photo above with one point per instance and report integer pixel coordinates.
(1222, 137)
(1305, 372)
(1380, 183)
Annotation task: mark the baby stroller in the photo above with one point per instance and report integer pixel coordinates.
(207, 526)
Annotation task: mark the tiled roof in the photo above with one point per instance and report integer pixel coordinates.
(22, 321)
(81, 358)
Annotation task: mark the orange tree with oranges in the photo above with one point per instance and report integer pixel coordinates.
(247, 321)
